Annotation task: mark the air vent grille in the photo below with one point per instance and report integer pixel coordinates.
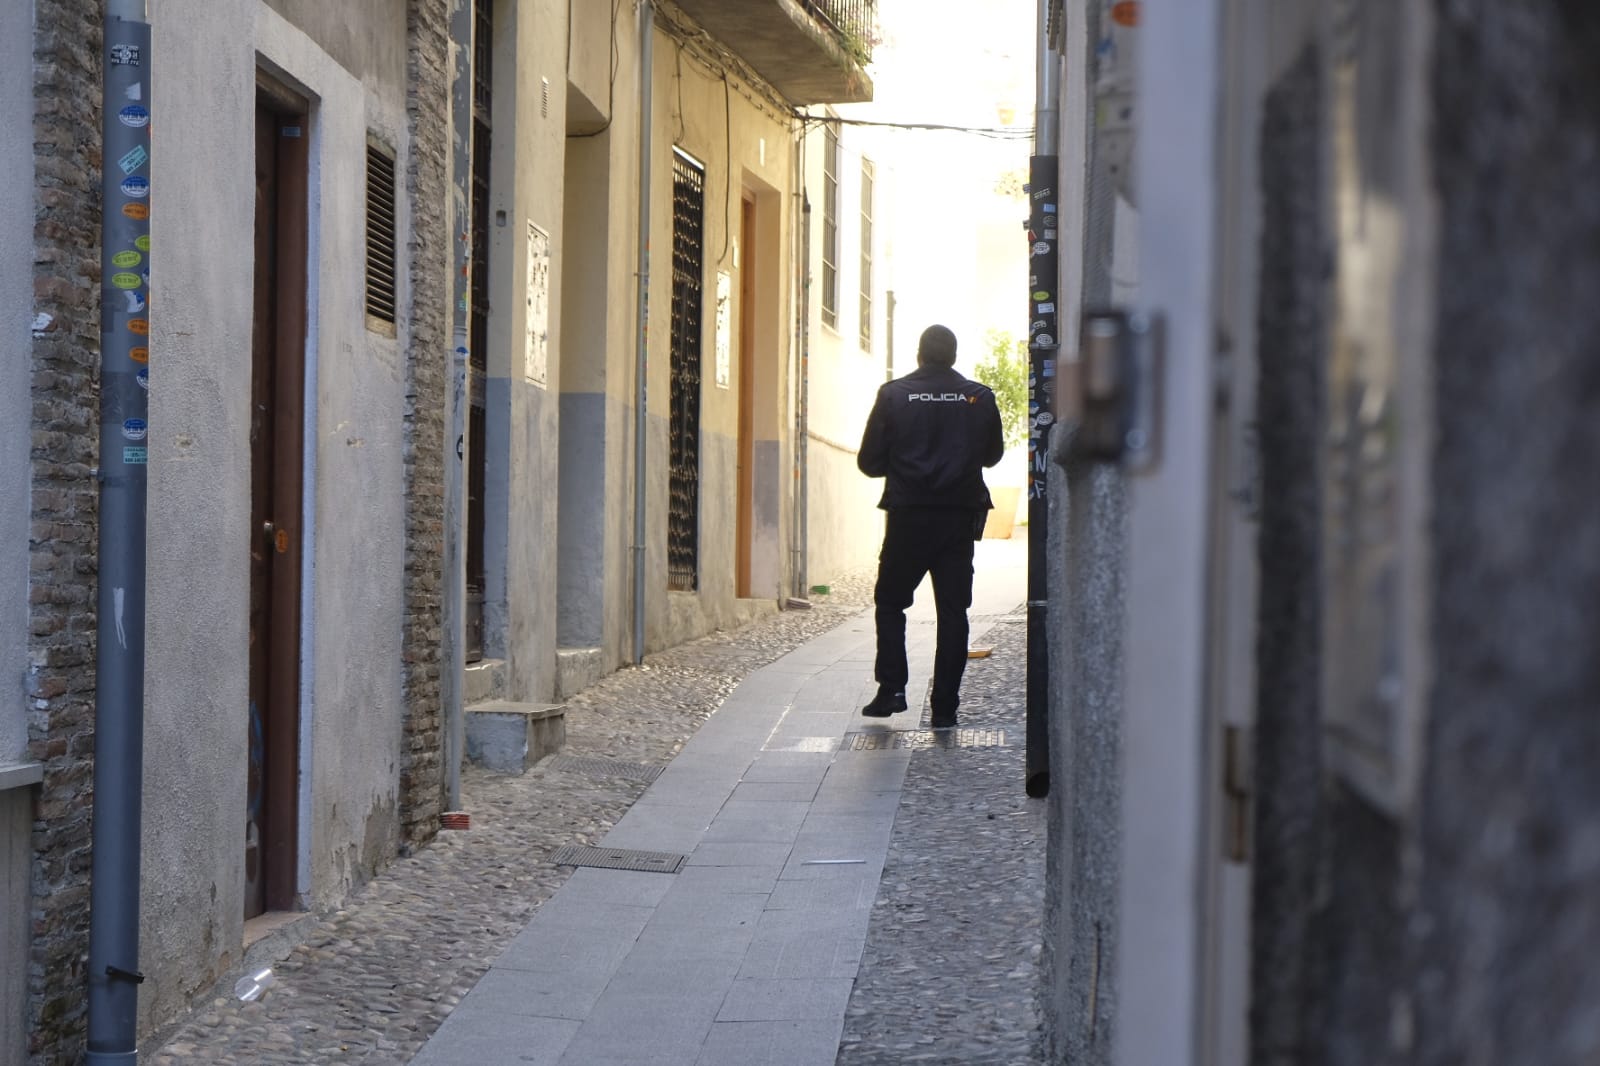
(380, 236)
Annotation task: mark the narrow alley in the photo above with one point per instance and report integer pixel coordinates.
(850, 891)
(462, 463)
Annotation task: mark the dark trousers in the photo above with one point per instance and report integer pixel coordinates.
(916, 542)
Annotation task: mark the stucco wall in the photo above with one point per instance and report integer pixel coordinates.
(1086, 567)
(16, 301)
(351, 708)
(705, 118)
(16, 318)
(1510, 798)
(1291, 810)
(365, 37)
(526, 186)
(844, 528)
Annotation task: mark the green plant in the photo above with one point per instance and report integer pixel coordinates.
(1005, 370)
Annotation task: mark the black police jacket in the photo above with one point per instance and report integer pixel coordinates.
(930, 434)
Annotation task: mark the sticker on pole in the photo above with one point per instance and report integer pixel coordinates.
(135, 186)
(135, 429)
(125, 280)
(136, 158)
(135, 456)
(134, 116)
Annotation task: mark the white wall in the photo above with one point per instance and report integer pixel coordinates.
(16, 301)
(197, 668)
(16, 316)
(844, 527)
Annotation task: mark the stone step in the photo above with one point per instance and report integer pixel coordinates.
(577, 669)
(510, 737)
(485, 680)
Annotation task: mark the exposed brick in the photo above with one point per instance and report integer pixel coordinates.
(65, 396)
(427, 370)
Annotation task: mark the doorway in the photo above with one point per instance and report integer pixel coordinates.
(277, 421)
(745, 521)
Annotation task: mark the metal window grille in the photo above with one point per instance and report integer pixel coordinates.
(380, 238)
(688, 270)
(830, 227)
(867, 181)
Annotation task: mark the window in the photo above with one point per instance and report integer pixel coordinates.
(830, 227)
(867, 176)
(683, 425)
(380, 240)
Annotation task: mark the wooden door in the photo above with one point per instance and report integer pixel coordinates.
(276, 471)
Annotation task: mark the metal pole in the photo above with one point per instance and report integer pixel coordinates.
(1044, 335)
(114, 976)
(452, 677)
(802, 321)
(641, 365)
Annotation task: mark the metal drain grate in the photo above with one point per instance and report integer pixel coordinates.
(919, 739)
(650, 862)
(596, 767)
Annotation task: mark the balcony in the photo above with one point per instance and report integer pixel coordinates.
(812, 51)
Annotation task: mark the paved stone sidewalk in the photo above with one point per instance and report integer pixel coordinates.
(371, 982)
(950, 974)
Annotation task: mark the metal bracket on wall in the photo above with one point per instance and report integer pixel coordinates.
(1119, 388)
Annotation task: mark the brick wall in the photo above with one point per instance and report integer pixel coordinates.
(66, 256)
(427, 180)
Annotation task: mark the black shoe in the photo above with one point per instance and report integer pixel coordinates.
(944, 721)
(884, 704)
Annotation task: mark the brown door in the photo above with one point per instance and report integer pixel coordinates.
(277, 391)
(747, 393)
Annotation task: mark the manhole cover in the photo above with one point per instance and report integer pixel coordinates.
(919, 739)
(595, 767)
(650, 862)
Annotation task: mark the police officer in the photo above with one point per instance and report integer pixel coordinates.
(930, 435)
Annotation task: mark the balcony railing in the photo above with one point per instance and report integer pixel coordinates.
(855, 21)
(812, 51)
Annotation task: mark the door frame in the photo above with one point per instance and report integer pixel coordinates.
(1169, 888)
(283, 754)
(745, 494)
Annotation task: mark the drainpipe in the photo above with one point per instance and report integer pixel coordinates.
(452, 675)
(641, 363)
(803, 385)
(1044, 337)
(114, 976)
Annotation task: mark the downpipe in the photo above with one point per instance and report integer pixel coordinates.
(452, 676)
(641, 364)
(113, 977)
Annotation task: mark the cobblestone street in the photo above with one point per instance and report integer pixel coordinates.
(949, 972)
